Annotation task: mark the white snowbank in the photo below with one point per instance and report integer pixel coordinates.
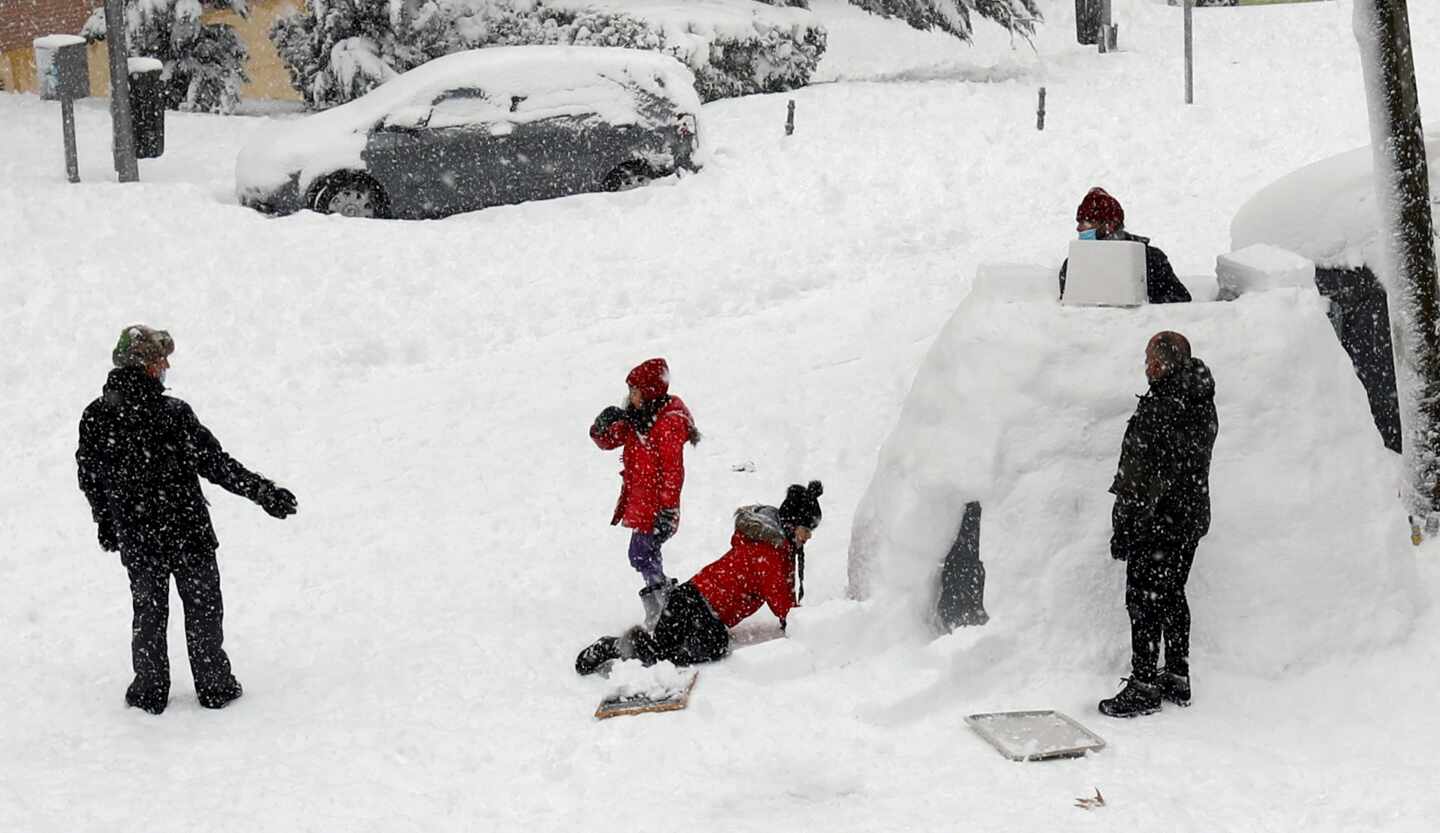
(552, 81)
(1260, 267)
(1325, 211)
(1022, 403)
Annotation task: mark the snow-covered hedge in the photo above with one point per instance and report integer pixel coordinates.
(204, 63)
(337, 50)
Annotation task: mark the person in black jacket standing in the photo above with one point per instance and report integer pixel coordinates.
(1162, 510)
(1101, 217)
(140, 457)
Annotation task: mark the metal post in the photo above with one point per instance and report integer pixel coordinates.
(67, 126)
(1040, 113)
(790, 118)
(1189, 52)
(123, 143)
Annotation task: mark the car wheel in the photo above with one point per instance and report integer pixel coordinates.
(351, 196)
(632, 174)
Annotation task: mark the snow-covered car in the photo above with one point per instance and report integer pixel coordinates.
(479, 128)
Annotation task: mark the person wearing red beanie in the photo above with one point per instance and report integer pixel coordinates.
(652, 428)
(1101, 217)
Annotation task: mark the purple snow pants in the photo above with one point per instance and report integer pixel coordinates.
(645, 557)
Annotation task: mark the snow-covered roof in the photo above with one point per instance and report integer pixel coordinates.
(1326, 211)
(538, 82)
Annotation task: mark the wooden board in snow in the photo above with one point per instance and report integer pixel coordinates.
(664, 693)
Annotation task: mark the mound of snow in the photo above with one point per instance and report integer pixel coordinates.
(548, 81)
(1261, 267)
(1325, 211)
(1021, 404)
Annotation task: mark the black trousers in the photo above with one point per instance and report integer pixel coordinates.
(197, 578)
(688, 632)
(1159, 612)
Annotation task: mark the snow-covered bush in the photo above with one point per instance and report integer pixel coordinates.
(953, 16)
(204, 62)
(337, 50)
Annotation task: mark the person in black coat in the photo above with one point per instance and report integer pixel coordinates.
(1101, 217)
(139, 460)
(1162, 510)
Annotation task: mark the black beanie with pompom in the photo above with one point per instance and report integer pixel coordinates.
(802, 505)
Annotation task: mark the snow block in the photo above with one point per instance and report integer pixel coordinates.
(1022, 406)
(1326, 211)
(1259, 267)
(1105, 273)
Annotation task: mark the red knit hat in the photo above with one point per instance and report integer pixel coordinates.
(651, 378)
(1100, 208)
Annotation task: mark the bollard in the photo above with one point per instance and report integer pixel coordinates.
(790, 118)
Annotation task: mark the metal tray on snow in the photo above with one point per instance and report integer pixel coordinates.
(1038, 735)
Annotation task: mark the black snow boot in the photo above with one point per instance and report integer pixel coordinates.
(220, 696)
(597, 656)
(147, 697)
(1174, 688)
(1134, 700)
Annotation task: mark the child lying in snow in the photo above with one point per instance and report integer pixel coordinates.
(760, 568)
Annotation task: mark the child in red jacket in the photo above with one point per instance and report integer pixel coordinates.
(653, 429)
(760, 569)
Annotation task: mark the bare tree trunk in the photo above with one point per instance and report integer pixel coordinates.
(1382, 28)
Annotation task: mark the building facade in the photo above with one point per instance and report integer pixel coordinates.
(21, 21)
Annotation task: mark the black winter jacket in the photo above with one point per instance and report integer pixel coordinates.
(1161, 285)
(1162, 485)
(139, 456)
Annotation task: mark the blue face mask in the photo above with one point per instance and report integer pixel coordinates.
(1089, 234)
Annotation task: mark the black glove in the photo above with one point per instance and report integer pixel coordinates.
(277, 501)
(108, 540)
(607, 418)
(1118, 549)
(665, 522)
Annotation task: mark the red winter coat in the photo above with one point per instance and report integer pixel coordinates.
(653, 465)
(752, 573)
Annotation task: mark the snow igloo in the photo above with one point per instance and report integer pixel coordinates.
(1021, 405)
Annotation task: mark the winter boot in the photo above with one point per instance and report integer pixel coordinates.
(147, 697)
(1134, 700)
(654, 598)
(637, 643)
(220, 696)
(597, 655)
(1175, 688)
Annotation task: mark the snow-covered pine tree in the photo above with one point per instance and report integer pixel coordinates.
(338, 50)
(204, 62)
(1018, 16)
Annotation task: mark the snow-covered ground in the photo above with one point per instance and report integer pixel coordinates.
(406, 641)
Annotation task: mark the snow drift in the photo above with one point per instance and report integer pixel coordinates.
(1325, 211)
(1021, 404)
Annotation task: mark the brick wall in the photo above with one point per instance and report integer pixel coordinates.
(21, 21)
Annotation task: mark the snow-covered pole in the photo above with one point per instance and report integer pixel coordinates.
(1382, 29)
(123, 127)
